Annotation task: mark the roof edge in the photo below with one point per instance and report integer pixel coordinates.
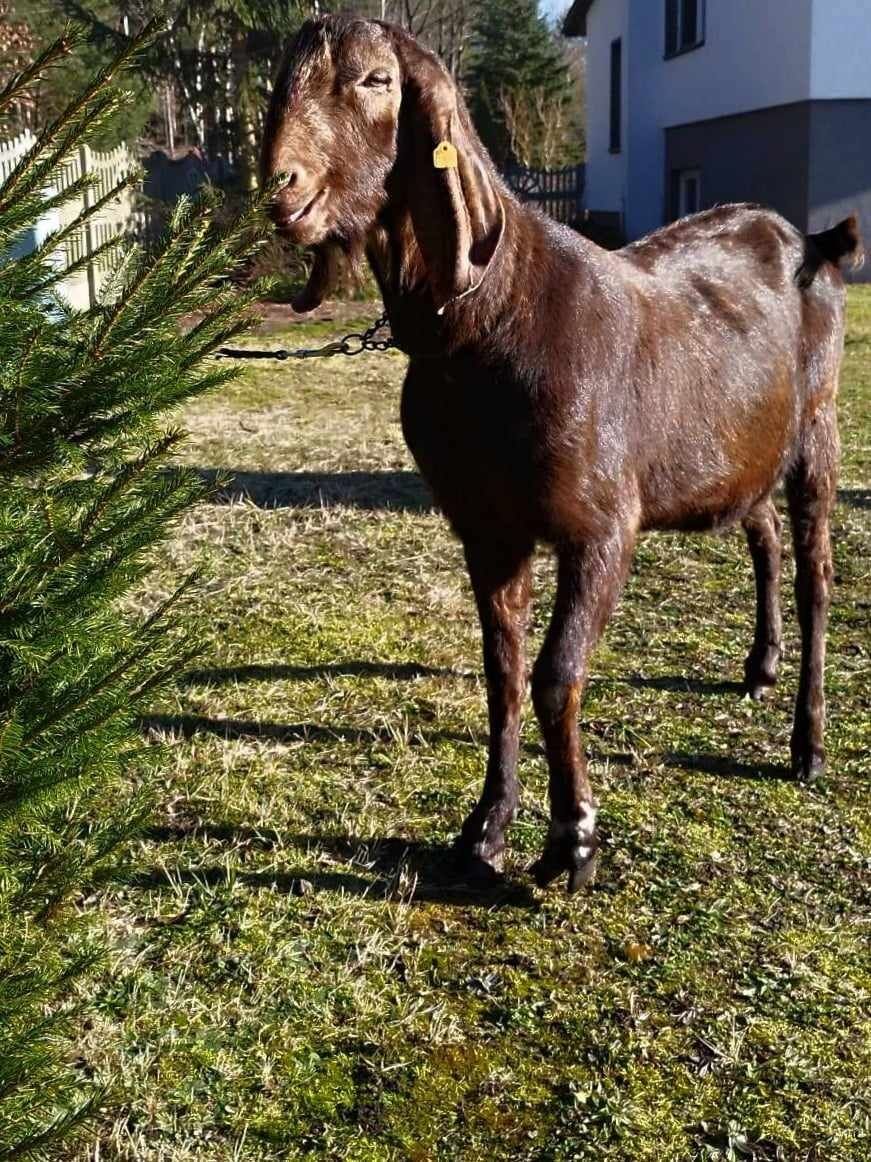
(575, 22)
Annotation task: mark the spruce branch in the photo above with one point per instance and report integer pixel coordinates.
(71, 38)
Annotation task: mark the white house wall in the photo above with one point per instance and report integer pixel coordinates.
(841, 50)
(606, 172)
(757, 53)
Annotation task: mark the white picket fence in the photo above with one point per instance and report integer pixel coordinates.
(12, 151)
(82, 287)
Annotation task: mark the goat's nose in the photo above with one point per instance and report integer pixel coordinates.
(295, 177)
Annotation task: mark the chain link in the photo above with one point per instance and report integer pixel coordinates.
(354, 343)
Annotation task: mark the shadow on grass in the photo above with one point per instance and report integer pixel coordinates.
(707, 764)
(408, 671)
(373, 491)
(236, 835)
(398, 671)
(855, 497)
(677, 684)
(401, 870)
(190, 725)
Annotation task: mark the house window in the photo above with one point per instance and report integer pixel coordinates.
(684, 25)
(686, 185)
(616, 95)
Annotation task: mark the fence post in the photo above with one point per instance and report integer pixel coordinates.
(87, 200)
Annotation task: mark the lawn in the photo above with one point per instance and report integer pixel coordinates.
(294, 973)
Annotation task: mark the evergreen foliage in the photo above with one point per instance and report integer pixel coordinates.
(515, 57)
(42, 23)
(87, 488)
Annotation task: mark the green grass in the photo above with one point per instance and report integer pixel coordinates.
(294, 973)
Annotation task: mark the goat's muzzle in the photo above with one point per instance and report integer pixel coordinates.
(299, 215)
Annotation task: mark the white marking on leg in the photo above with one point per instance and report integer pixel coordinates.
(579, 832)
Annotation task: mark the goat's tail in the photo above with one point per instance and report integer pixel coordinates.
(832, 246)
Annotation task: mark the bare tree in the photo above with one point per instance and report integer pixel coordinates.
(445, 26)
(576, 58)
(539, 126)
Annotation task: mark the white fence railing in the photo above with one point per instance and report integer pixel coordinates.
(82, 286)
(12, 151)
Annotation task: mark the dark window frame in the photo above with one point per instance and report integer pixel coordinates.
(675, 15)
(677, 180)
(615, 130)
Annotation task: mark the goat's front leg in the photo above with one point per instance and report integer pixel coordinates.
(589, 581)
(501, 581)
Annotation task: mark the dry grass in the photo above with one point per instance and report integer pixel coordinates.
(294, 972)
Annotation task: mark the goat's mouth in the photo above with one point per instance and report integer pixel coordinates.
(298, 222)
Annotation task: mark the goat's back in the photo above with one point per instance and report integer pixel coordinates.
(673, 377)
(733, 358)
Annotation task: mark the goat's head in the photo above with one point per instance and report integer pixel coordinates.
(356, 114)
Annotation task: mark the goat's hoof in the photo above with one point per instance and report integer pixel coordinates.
(555, 861)
(808, 766)
(760, 690)
(760, 678)
(579, 877)
(571, 847)
(477, 866)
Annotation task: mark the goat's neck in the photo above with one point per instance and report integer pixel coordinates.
(466, 323)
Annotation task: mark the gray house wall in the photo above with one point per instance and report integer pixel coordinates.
(840, 173)
(752, 157)
(811, 161)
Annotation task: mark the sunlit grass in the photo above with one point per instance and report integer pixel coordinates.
(294, 973)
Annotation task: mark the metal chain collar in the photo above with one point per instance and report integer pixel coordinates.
(353, 344)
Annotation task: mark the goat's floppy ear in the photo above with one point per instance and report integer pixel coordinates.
(456, 212)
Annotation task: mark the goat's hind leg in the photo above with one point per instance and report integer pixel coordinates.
(763, 528)
(589, 581)
(811, 489)
(501, 581)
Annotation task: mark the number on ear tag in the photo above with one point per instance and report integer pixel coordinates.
(444, 156)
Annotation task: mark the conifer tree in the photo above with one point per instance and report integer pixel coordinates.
(515, 58)
(87, 489)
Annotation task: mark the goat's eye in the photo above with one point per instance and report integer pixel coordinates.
(379, 79)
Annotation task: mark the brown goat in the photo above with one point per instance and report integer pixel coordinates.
(558, 393)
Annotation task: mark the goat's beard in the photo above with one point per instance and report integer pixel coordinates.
(341, 254)
(334, 260)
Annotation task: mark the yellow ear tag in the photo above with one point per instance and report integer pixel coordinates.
(444, 156)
